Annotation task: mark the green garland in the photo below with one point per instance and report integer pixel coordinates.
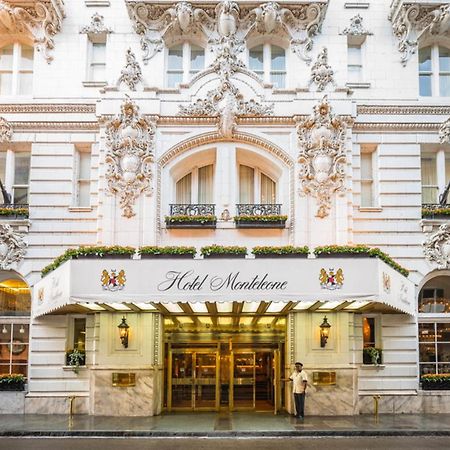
(283, 250)
(99, 251)
(153, 250)
(222, 250)
(272, 218)
(190, 219)
(14, 212)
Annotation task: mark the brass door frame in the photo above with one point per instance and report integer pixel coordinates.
(276, 381)
(231, 388)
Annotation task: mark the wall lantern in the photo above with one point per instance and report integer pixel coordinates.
(324, 332)
(123, 331)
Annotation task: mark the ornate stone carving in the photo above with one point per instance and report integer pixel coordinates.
(322, 158)
(356, 27)
(131, 74)
(412, 20)
(97, 26)
(437, 247)
(130, 141)
(38, 21)
(444, 132)
(154, 21)
(6, 131)
(321, 71)
(12, 247)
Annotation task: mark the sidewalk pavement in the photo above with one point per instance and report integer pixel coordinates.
(239, 424)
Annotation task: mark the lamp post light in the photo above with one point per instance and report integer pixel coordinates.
(324, 332)
(123, 332)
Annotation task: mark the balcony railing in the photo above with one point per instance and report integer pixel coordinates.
(435, 211)
(258, 209)
(191, 215)
(259, 215)
(192, 209)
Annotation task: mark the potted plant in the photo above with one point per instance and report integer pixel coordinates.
(260, 221)
(432, 382)
(372, 355)
(186, 221)
(75, 358)
(12, 382)
(167, 252)
(220, 251)
(286, 251)
(342, 251)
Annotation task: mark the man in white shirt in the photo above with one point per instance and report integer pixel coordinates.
(299, 382)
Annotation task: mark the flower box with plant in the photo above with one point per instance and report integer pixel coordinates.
(186, 221)
(286, 251)
(12, 382)
(260, 221)
(167, 252)
(372, 355)
(436, 212)
(219, 251)
(89, 252)
(21, 213)
(75, 359)
(433, 382)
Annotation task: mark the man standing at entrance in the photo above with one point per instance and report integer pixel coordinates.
(299, 382)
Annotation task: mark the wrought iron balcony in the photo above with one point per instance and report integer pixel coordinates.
(435, 211)
(259, 215)
(191, 215)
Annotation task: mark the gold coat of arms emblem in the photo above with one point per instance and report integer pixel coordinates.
(113, 280)
(332, 279)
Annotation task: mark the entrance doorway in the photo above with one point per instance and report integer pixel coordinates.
(235, 377)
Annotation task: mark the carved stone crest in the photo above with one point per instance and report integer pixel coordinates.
(444, 132)
(437, 247)
(12, 246)
(356, 27)
(322, 158)
(130, 140)
(321, 71)
(6, 130)
(131, 74)
(97, 26)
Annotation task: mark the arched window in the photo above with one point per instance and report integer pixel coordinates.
(16, 69)
(434, 71)
(269, 63)
(196, 186)
(183, 62)
(255, 186)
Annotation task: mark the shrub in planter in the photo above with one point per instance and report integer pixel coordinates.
(14, 212)
(12, 382)
(260, 220)
(435, 212)
(214, 251)
(179, 252)
(283, 251)
(431, 382)
(75, 359)
(185, 220)
(372, 355)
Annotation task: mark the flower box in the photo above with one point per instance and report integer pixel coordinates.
(121, 256)
(224, 256)
(260, 221)
(273, 255)
(219, 251)
(286, 251)
(206, 221)
(204, 225)
(372, 356)
(12, 382)
(436, 382)
(343, 255)
(165, 256)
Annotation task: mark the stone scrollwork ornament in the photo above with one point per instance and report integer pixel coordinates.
(6, 130)
(322, 157)
(130, 141)
(96, 27)
(437, 247)
(131, 74)
(444, 132)
(321, 71)
(356, 27)
(12, 247)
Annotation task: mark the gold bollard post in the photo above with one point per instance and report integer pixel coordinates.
(376, 398)
(71, 400)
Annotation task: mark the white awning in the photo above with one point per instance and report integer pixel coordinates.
(118, 281)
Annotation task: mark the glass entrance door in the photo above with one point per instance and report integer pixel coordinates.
(242, 391)
(193, 380)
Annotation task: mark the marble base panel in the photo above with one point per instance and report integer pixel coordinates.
(12, 402)
(56, 405)
(143, 399)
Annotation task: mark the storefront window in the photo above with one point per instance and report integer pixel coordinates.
(14, 348)
(434, 347)
(79, 334)
(368, 332)
(15, 298)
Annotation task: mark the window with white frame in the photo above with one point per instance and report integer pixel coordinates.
(255, 186)
(83, 177)
(97, 62)
(354, 63)
(196, 186)
(269, 63)
(14, 337)
(16, 69)
(435, 173)
(434, 71)
(368, 164)
(183, 62)
(15, 173)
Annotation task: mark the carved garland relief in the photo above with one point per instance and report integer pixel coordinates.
(12, 247)
(437, 247)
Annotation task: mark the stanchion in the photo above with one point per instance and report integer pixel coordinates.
(376, 399)
(71, 402)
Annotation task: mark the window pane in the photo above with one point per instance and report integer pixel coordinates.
(425, 59)
(20, 331)
(20, 196)
(268, 189)
(5, 333)
(425, 85)
(443, 368)
(443, 352)
(21, 167)
(19, 368)
(278, 79)
(427, 352)
(205, 184)
(427, 369)
(6, 58)
(426, 332)
(26, 58)
(444, 59)
(444, 85)
(84, 171)
(443, 332)
(246, 184)
(3, 166)
(183, 189)
(25, 83)
(367, 194)
(84, 193)
(98, 72)
(174, 78)
(354, 74)
(429, 179)
(368, 332)
(278, 58)
(366, 166)
(79, 334)
(175, 58)
(98, 52)
(354, 55)
(197, 59)
(256, 59)
(5, 83)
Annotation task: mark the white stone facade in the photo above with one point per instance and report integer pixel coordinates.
(248, 122)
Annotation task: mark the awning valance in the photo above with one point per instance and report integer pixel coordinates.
(114, 281)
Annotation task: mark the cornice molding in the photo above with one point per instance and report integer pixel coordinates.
(403, 110)
(65, 126)
(364, 126)
(47, 108)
